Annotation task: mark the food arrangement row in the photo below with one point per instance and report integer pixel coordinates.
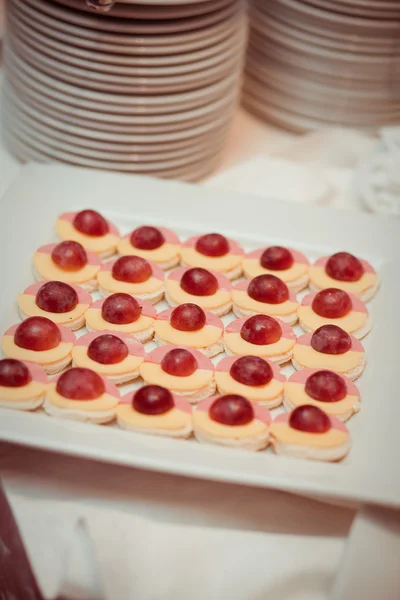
(184, 391)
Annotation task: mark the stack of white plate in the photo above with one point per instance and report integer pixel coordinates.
(149, 87)
(315, 63)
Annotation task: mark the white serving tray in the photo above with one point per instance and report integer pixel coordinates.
(28, 212)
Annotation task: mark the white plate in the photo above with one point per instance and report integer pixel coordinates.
(70, 118)
(146, 149)
(190, 173)
(125, 44)
(41, 193)
(137, 11)
(384, 69)
(279, 70)
(171, 169)
(72, 130)
(177, 158)
(118, 103)
(265, 26)
(126, 85)
(107, 121)
(334, 115)
(125, 71)
(335, 90)
(344, 111)
(40, 36)
(314, 18)
(390, 11)
(137, 27)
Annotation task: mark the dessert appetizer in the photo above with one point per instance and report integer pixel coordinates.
(289, 265)
(183, 371)
(68, 262)
(329, 391)
(123, 313)
(346, 272)
(308, 432)
(260, 335)
(82, 395)
(110, 354)
(39, 340)
(90, 229)
(62, 303)
(153, 409)
(211, 291)
(330, 347)
(22, 384)
(189, 325)
(265, 295)
(158, 244)
(336, 307)
(257, 379)
(215, 252)
(233, 421)
(132, 275)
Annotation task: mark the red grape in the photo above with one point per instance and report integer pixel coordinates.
(147, 238)
(268, 289)
(276, 258)
(57, 297)
(332, 303)
(251, 370)
(179, 362)
(80, 384)
(69, 256)
(188, 317)
(232, 409)
(13, 373)
(310, 419)
(212, 244)
(199, 282)
(331, 339)
(326, 386)
(107, 349)
(37, 333)
(131, 269)
(120, 309)
(153, 400)
(261, 330)
(91, 223)
(344, 267)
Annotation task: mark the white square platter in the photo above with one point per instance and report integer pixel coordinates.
(370, 473)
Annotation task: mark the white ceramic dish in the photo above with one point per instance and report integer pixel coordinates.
(107, 121)
(42, 36)
(118, 103)
(175, 158)
(290, 81)
(368, 110)
(378, 10)
(41, 193)
(132, 10)
(119, 84)
(193, 172)
(136, 27)
(117, 44)
(49, 152)
(123, 70)
(145, 127)
(313, 18)
(14, 104)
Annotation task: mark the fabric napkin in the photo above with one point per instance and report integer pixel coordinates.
(315, 168)
(92, 553)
